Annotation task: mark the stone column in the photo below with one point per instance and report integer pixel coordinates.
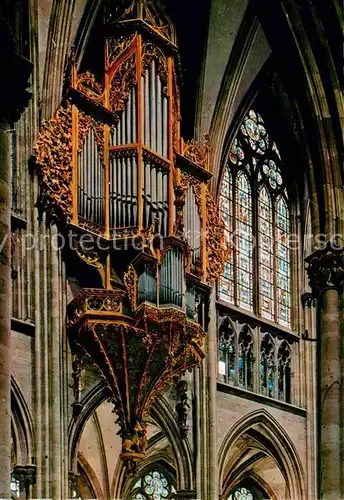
(14, 98)
(56, 415)
(5, 315)
(212, 389)
(326, 274)
(341, 312)
(310, 395)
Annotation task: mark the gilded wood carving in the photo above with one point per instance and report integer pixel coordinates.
(115, 47)
(150, 53)
(121, 84)
(85, 122)
(197, 152)
(89, 86)
(54, 160)
(217, 248)
(139, 357)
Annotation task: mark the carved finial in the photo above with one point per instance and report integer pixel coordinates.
(78, 376)
(179, 203)
(134, 447)
(70, 74)
(130, 280)
(198, 152)
(149, 13)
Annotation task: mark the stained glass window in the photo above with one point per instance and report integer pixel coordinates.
(241, 494)
(267, 366)
(283, 263)
(243, 242)
(245, 360)
(284, 372)
(154, 485)
(247, 490)
(254, 207)
(227, 351)
(270, 374)
(226, 287)
(266, 254)
(15, 488)
(76, 495)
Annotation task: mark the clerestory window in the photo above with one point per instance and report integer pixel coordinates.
(255, 208)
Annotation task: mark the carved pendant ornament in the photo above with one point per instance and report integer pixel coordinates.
(139, 356)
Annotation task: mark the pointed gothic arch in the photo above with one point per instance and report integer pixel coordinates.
(162, 414)
(22, 425)
(272, 437)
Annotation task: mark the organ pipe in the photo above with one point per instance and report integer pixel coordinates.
(172, 278)
(155, 196)
(192, 224)
(153, 103)
(123, 191)
(91, 182)
(147, 285)
(147, 110)
(155, 112)
(125, 131)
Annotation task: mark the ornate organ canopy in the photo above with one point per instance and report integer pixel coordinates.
(112, 165)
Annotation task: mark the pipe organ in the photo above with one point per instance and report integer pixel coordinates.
(112, 165)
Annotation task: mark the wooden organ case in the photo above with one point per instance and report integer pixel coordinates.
(112, 166)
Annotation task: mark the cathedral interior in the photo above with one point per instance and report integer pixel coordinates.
(172, 250)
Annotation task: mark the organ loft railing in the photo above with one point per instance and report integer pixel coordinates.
(113, 167)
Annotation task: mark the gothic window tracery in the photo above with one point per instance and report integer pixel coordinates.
(153, 485)
(15, 488)
(254, 206)
(267, 366)
(247, 490)
(284, 372)
(243, 242)
(241, 494)
(254, 361)
(227, 351)
(245, 360)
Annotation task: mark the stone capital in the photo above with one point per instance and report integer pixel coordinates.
(185, 494)
(308, 299)
(26, 474)
(326, 268)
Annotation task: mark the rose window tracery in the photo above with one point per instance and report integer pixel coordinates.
(255, 132)
(272, 173)
(241, 494)
(154, 485)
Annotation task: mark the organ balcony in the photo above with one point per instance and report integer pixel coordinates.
(140, 337)
(113, 166)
